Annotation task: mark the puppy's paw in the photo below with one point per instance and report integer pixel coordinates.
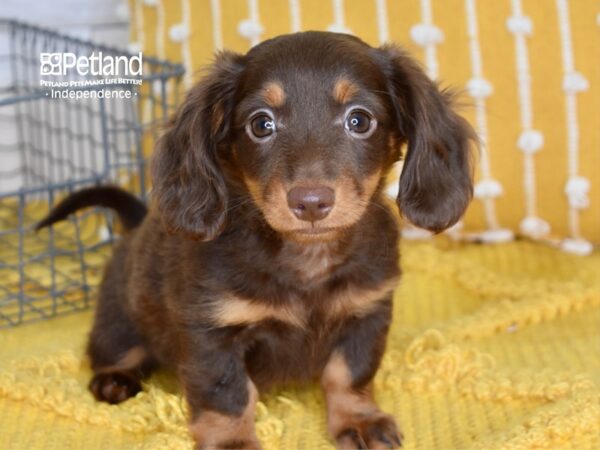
(115, 387)
(377, 431)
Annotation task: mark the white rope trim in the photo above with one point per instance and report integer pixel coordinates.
(479, 88)
(339, 21)
(254, 17)
(576, 187)
(383, 32)
(215, 11)
(295, 17)
(530, 141)
(251, 28)
(431, 60)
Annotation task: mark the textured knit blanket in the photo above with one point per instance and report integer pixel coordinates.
(491, 347)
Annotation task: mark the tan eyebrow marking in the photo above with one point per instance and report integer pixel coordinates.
(273, 94)
(344, 90)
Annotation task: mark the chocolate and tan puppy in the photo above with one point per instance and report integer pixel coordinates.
(268, 253)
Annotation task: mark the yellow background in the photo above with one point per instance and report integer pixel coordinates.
(499, 67)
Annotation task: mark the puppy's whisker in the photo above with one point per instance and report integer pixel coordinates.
(231, 207)
(383, 208)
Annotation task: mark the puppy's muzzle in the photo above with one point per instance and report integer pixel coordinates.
(311, 203)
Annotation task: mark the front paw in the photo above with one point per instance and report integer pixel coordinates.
(375, 431)
(233, 444)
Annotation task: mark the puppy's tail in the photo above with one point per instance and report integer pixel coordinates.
(130, 209)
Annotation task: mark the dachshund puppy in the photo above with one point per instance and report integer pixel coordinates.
(268, 253)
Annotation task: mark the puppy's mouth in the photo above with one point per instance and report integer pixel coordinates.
(315, 233)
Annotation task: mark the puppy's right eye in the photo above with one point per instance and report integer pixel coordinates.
(262, 126)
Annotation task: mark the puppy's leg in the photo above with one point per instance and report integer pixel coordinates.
(118, 354)
(221, 396)
(354, 420)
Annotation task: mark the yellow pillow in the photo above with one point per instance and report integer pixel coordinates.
(530, 71)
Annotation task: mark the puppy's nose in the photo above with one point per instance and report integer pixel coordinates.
(311, 204)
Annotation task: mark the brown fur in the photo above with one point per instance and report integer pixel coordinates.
(224, 281)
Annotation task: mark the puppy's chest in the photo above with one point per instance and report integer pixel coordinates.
(303, 310)
(306, 285)
(309, 263)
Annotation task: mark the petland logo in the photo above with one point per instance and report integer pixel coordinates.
(96, 65)
(80, 76)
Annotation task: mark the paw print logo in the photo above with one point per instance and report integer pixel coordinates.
(50, 63)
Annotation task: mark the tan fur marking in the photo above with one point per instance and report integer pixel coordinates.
(344, 90)
(358, 301)
(212, 429)
(344, 404)
(255, 191)
(353, 204)
(239, 311)
(273, 94)
(349, 204)
(132, 359)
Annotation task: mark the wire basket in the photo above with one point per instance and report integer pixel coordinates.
(50, 147)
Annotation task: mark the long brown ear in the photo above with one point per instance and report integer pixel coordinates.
(436, 182)
(189, 190)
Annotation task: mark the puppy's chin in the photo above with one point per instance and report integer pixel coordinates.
(313, 235)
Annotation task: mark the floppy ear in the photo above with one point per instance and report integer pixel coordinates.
(189, 190)
(436, 182)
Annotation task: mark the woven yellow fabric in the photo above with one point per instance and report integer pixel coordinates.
(529, 70)
(491, 347)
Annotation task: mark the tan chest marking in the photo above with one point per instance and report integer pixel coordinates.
(357, 301)
(353, 301)
(234, 310)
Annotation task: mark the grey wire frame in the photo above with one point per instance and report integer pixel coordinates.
(57, 146)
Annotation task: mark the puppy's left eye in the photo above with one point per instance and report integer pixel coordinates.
(360, 123)
(262, 126)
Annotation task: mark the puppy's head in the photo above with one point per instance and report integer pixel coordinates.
(309, 124)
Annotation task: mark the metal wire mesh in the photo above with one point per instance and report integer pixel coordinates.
(52, 147)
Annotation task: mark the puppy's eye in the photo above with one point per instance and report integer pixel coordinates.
(262, 126)
(358, 122)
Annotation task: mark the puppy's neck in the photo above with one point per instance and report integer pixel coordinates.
(310, 262)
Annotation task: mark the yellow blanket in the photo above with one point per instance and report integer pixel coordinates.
(491, 347)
